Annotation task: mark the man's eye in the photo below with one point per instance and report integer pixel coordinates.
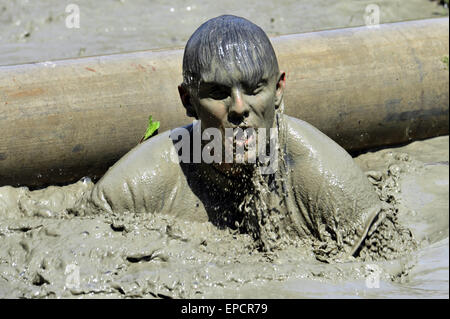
(218, 94)
(258, 89)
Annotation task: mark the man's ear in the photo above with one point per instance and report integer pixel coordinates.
(186, 100)
(281, 84)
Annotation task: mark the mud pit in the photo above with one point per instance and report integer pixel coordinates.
(47, 254)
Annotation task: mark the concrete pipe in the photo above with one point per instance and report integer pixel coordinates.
(364, 87)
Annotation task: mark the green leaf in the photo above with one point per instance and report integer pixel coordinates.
(445, 60)
(151, 128)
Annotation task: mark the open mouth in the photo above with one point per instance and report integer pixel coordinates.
(242, 138)
(240, 145)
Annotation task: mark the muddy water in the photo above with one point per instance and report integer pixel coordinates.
(50, 253)
(36, 30)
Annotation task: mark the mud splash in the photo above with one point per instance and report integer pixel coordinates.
(56, 254)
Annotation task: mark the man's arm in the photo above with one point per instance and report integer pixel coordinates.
(140, 181)
(336, 197)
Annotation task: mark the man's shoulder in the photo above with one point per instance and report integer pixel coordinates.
(142, 179)
(305, 139)
(155, 156)
(310, 150)
(157, 149)
(300, 130)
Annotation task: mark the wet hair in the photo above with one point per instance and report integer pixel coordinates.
(229, 43)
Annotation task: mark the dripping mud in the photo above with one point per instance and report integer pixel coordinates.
(44, 254)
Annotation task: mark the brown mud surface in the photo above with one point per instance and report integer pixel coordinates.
(49, 253)
(35, 31)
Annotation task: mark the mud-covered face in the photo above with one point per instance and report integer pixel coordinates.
(225, 99)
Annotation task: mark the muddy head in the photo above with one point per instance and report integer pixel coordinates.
(231, 78)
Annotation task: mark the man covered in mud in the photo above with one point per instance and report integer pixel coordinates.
(310, 192)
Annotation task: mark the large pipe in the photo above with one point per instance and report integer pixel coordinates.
(364, 87)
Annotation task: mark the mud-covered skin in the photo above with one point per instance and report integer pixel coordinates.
(325, 189)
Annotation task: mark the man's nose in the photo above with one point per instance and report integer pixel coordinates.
(239, 109)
